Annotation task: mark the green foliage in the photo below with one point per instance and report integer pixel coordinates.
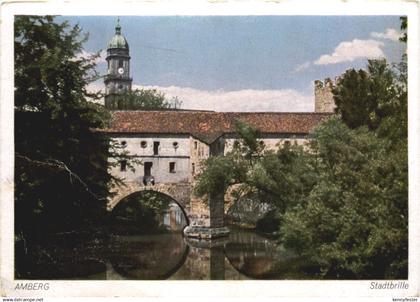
(225, 170)
(283, 178)
(139, 212)
(249, 146)
(144, 99)
(354, 221)
(367, 97)
(61, 177)
(342, 200)
(219, 174)
(404, 28)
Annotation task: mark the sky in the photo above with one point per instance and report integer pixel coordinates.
(242, 63)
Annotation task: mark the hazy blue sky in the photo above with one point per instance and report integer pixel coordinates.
(251, 62)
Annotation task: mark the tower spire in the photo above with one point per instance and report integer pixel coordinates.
(118, 80)
(118, 27)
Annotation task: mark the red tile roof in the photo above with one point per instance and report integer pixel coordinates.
(209, 125)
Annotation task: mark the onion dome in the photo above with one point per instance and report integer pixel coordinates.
(118, 40)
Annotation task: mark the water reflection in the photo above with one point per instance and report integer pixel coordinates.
(154, 257)
(243, 255)
(258, 257)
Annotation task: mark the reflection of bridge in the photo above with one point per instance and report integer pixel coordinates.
(243, 255)
(205, 219)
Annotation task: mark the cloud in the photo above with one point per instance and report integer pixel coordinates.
(389, 34)
(247, 100)
(352, 50)
(86, 55)
(95, 87)
(302, 67)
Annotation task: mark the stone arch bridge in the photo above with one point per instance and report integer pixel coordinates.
(206, 218)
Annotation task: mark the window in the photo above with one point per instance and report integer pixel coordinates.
(155, 148)
(193, 168)
(120, 63)
(172, 167)
(123, 144)
(195, 145)
(143, 144)
(287, 143)
(148, 168)
(123, 165)
(175, 144)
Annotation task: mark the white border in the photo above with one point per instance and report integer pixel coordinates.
(168, 289)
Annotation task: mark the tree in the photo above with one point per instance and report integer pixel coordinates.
(280, 178)
(61, 177)
(144, 99)
(404, 28)
(366, 97)
(353, 222)
(139, 212)
(222, 171)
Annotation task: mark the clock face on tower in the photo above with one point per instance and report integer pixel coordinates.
(120, 70)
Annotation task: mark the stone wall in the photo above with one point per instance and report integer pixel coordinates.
(324, 101)
(172, 149)
(199, 151)
(180, 192)
(271, 142)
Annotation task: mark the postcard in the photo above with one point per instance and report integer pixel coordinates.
(238, 149)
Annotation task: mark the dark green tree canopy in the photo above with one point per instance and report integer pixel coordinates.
(61, 176)
(367, 97)
(143, 99)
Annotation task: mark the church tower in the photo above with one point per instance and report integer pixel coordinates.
(117, 81)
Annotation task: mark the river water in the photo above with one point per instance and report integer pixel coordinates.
(169, 256)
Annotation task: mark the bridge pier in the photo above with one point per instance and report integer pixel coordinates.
(214, 226)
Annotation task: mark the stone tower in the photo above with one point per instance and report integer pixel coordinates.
(117, 81)
(324, 100)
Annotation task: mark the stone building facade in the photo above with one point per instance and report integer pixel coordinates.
(171, 146)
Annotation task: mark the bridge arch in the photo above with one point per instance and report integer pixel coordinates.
(122, 203)
(179, 192)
